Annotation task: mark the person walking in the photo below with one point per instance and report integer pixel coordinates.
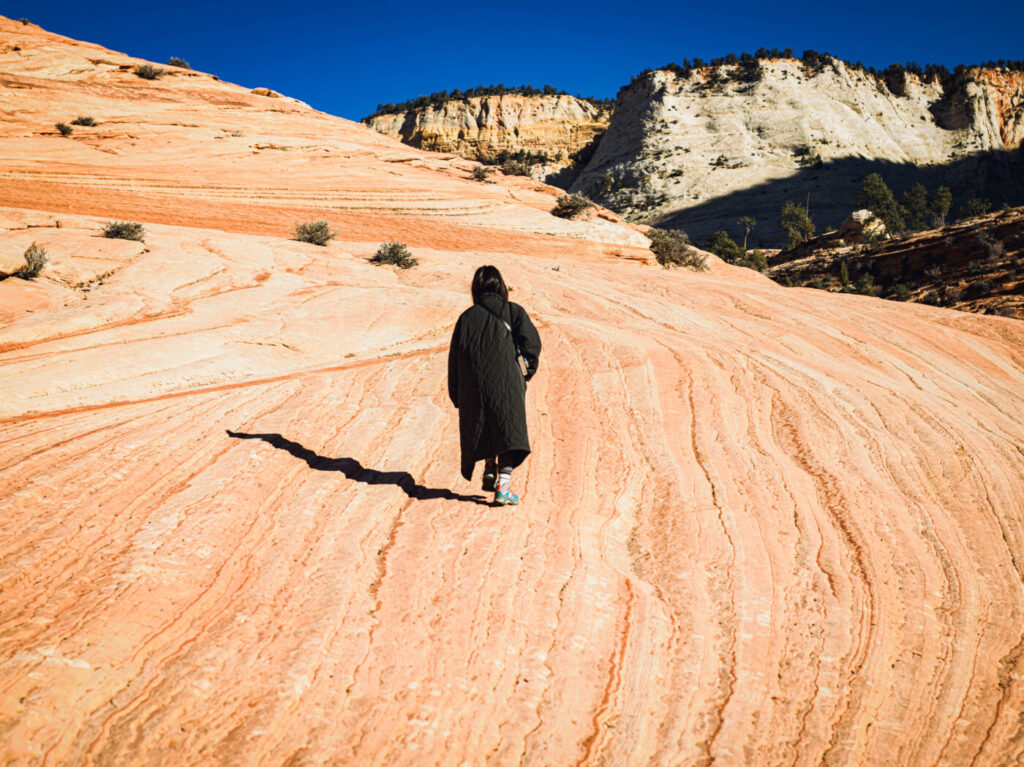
(487, 385)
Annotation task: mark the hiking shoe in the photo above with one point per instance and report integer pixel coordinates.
(490, 481)
(506, 498)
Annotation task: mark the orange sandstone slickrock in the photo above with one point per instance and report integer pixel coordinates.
(760, 525)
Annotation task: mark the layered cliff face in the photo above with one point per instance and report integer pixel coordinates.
(480, 127)
(701, 151)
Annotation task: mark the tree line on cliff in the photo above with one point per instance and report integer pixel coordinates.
(437, 98)
(747, 66)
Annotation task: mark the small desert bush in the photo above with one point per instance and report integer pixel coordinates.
(64, 128)
(35, 260)
(125, 230)
(480, 173)
(174, 61)
(571, 205)
(315, 232)
(86, 121)
(394, 253)
(26, 22)
(148, 71)
(517, 168)
(672, 248)
(900, 292)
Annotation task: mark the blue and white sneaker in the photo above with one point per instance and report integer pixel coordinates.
(505, 498)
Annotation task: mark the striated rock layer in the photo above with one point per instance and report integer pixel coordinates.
(759, 525)
(481, 127)
(702, 151)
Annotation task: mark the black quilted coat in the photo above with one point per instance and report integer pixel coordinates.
(486, 383)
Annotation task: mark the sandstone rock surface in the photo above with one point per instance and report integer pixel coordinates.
(861, 225)
(480, 127)
(760, 526)
(700, 152)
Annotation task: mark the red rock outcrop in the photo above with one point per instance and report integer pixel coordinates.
(759, 526)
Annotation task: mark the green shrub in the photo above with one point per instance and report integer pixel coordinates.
(900, 292)
(916, 211)
(756, 259)
(481, 172)
(395, 253)
(148, 71)
(982, 288)
(605, 184)
(671, 247)
(174, 61)
(571, 206)
(974, 207)
(796, 223)
(64, 128)
(125, 230)
(517, 168)
(86, 121)
(35, 259)
(315, 232)
(939, 203)
(723, 246)
(865, 284)
(876, 196)
(844, 273)
(26, 22)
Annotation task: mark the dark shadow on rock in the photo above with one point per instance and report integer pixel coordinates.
(831, 191)
(352, 469)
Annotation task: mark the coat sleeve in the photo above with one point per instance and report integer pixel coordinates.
(527, 338)
(453, 366)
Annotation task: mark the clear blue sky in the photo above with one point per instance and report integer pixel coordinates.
(345, 58)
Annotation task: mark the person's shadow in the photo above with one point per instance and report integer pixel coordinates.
(352, 469)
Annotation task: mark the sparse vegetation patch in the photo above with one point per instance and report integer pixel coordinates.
(671, 247)
(517, 168)
(125, 230)
(394, 253)
(571, 206)
(480, 173)
(174, 61)
(64, 128)
(35, 260)
(148, 71)
(315, 232)
(86, 121)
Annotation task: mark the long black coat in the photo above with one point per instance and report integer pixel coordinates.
(486, 383)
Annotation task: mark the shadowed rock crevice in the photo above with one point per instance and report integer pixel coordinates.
(353, 469)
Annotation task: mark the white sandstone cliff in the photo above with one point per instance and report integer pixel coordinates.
(699, 152)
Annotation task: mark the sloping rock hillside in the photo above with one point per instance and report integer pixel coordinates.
(975, 265)
(759, 526)
(699, 152)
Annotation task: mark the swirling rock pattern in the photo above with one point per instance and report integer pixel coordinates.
(759, 526)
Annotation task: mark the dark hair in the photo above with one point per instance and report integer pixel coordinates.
(488, 280)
